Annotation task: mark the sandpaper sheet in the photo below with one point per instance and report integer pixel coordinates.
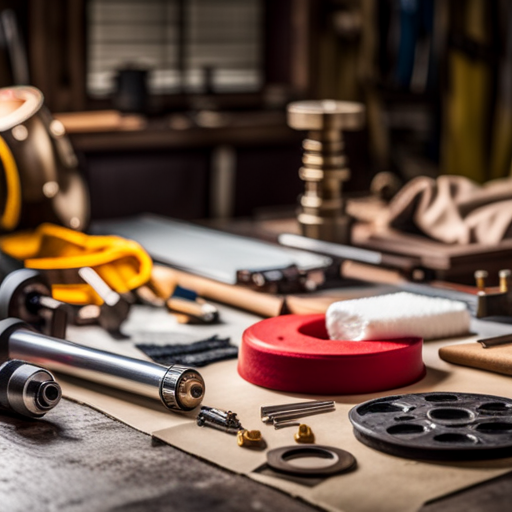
(380, 482)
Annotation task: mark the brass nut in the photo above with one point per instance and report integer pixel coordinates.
(304, 434)
(249, 438)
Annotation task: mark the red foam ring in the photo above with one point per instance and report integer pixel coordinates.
(293, 353)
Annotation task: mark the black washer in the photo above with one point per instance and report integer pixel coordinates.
(436, 426)
(279, 458)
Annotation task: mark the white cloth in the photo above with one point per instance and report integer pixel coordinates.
(396, 315)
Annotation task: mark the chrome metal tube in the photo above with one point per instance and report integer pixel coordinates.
(177, 387)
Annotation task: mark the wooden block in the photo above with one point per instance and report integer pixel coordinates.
(495, 359)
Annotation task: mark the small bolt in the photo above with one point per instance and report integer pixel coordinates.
(504, 279)
(480, 277)
(304, 434)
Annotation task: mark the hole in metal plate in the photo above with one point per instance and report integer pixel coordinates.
(448, 414)
(441, 398)
(495, 408)
(380, 407)
(405, 428)
(499, 427)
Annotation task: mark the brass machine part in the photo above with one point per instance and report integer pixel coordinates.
(480, 277)
(322, 214)
(249, 438)
(491, 302)
(504, 280)
(304, 434)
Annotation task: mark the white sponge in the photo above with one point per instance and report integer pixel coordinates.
(396, 315)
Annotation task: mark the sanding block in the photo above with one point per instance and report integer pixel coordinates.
(294, 353)
(495, 359)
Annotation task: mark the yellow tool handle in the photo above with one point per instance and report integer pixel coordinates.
(123, 264)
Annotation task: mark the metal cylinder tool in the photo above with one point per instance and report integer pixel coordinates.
(178, 388)
(27, 389)
(324, 167)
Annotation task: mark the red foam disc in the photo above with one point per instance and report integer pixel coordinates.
(294, 353)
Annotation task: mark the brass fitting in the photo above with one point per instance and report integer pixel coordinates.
(249, 438)
(480, 277)
(324, 165)
(304, 434)
(504, 279)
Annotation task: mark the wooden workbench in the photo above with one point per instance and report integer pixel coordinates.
(78, 459)
(81, 460)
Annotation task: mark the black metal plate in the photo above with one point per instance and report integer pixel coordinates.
(436, 426)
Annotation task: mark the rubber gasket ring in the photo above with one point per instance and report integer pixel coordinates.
(278, 459)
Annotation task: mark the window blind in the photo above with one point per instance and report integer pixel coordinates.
(180, 42)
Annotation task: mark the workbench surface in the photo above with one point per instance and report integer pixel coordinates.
(78, 459)
(81, 460)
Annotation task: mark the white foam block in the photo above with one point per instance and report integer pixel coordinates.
(396, 315)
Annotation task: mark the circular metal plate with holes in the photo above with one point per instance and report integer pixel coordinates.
(312, 460)
(436, 426)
